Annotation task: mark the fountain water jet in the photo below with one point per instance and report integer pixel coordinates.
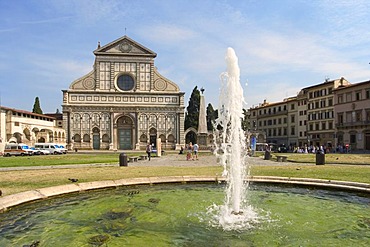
(232, 150)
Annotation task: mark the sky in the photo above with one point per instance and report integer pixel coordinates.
(282, 45)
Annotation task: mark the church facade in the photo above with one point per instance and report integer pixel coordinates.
(124, 103)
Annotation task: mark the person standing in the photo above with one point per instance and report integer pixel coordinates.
(195, 149)
(189, 150)
(149, 150)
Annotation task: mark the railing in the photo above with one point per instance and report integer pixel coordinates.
(353, 124)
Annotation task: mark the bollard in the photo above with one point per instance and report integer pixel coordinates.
(122, 159)
(267, 155)
(320, 159)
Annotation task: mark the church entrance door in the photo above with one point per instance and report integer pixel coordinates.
(124, 139)
(124, 133)
(96, 139)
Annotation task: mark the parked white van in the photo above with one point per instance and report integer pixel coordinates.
(51, 147)
(17, 149)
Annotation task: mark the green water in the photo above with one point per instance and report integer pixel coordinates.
(175, 215)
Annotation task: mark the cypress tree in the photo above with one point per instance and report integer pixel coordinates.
(192, 111)
(211, 116)
(36, 106)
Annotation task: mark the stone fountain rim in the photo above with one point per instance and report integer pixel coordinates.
(13, 200)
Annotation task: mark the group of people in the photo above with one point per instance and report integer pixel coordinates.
(191, 151)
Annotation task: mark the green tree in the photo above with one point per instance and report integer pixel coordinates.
(245, 120)
(211, 116)
(36, 106)
(192, 111)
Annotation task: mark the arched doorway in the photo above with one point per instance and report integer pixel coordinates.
(153, 136)
(367, 140)
(96, 138)
(124, 133)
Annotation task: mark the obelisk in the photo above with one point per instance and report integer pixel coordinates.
(202, 123)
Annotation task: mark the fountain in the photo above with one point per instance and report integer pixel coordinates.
(231, 150)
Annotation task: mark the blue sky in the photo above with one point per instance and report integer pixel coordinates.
(282, 46)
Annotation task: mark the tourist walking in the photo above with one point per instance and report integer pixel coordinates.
(149, 150)
(195, 149)
(189, 150)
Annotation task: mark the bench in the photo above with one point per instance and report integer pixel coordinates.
(143, 157)
(133, 158)
(282, 158)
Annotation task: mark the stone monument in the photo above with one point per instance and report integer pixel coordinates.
(202, 126)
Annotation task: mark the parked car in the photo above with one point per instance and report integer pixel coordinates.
(64, 150)
(35, 151)
(42, 151)
(282, 149)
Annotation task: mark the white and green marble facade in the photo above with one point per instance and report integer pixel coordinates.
(102, 111)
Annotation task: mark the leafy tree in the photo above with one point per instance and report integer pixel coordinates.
(245, 120)
(192, 111)
(36, 106)
(211, 116)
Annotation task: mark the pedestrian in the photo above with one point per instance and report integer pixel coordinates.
(189, 150)
(149, 150)
(195, 149)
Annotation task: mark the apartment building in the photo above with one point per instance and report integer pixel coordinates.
(352, 115)
(320, 112)
(309, 118)
(278, 120)
(302, 119)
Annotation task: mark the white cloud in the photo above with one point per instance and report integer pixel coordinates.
(167, 34)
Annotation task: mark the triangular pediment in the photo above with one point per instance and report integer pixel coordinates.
(125, 46)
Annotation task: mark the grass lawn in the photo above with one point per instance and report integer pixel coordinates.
(17, 181)
(332, 158)
(65, 159)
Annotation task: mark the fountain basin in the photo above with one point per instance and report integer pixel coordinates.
(153, 212)
(9, 201)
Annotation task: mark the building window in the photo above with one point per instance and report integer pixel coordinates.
(317, 126)
(348, 97)
(292, 107)
(292, 131)
(340, 99)
(292, 118)
(358, 95)
(340, 118)
(367, 93)
(358, 116)
(348, 117)
(330, 102)
(125, 82)
(323, 126)
(352, 138)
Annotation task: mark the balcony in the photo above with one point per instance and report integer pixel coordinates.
(353, 124)
(270, 114)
